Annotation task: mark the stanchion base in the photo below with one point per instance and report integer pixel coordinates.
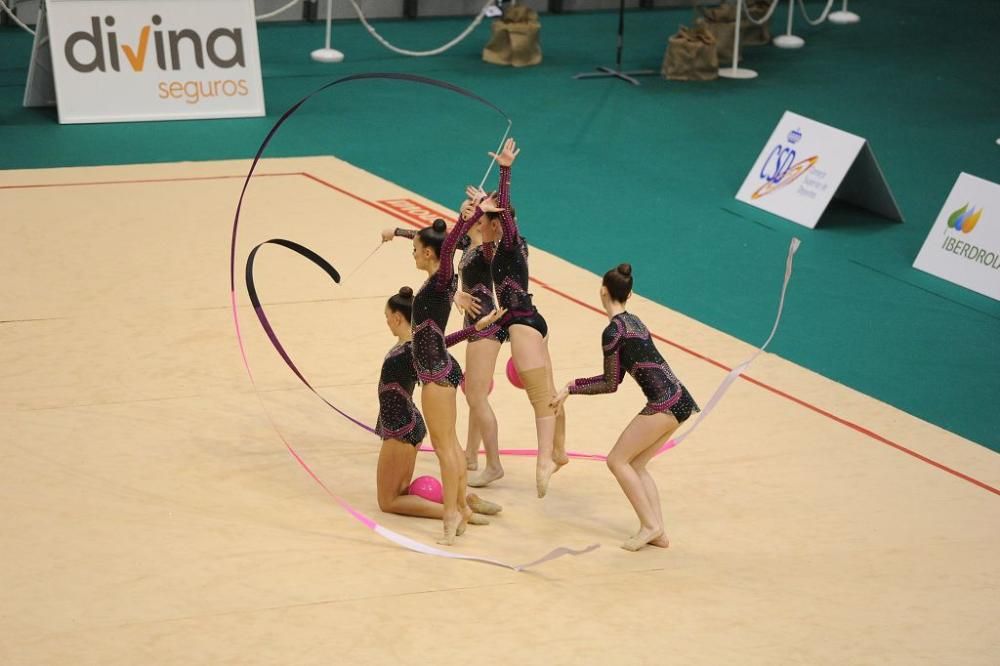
(603, 72)
(789, 42)
(327, 55)
(737, 73)
(843, 18)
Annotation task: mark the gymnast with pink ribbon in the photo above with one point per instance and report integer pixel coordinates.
(628, 347)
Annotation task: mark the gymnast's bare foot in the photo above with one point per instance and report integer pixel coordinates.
(488, 476)
(471, 459)
(479, 505)
(560, 458)
(660, 542)
(466, 514)
(451, 524)
(544, 469)
(644, 536)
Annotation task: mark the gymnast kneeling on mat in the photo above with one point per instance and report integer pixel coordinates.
(399, 422)
(628, 347)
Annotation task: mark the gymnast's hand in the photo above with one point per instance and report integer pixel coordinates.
(508, 154)
(468, 303)
(388, 234)
(559, 399)
(473, 193)
(490, 319)
(468, 206)
(489, 205)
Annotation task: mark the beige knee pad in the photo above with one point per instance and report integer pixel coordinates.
(536, 385)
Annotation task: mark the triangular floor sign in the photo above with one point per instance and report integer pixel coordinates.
(806, 164)
(40, 89)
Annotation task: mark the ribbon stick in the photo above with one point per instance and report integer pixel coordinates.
(364, 261)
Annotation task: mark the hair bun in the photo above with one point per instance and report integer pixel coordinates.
(440, 225)
(405, 292)
(625, 269)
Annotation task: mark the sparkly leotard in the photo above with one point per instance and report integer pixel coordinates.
(628, 347)
(431, 307)
(510, 266)
(476, 280)
(398, 417)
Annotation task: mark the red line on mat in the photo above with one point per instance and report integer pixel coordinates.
(419, 224)
(140, 180)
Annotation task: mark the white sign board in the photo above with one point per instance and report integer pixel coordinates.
(963, 246)
(125, 60)
(805, 164)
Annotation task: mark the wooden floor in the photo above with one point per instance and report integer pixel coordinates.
(150, 514)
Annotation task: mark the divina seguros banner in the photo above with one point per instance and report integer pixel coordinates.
(125, 60)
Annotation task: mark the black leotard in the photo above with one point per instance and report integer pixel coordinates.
(509, 265)
(628, 347)
(398, 417)
(431, 307)
(476, 280)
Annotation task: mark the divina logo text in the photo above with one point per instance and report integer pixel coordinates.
(223, 47)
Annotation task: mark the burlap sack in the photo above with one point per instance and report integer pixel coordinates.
(691, 56)
(515, 39)
(752, 34)
(497, 50)
(721, 22)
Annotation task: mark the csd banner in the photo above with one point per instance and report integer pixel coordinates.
(805, 164)
(964, 244)
(124, 60)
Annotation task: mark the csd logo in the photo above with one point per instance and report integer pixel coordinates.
(778, 164)
(780, 169)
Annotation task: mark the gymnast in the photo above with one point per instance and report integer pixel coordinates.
(629, 348)
(525, 326)
(438, 371)
(399, 422)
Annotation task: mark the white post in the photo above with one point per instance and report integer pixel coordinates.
(736, 72)
(328, 54)
(788, 40)
(843, 17)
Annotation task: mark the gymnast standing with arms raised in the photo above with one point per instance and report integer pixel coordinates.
(526, 328)
(628, 347)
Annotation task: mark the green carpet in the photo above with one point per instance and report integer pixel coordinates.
(614, 173)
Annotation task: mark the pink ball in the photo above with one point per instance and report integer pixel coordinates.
(512, 375)
(487, 393)
(427, 487)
